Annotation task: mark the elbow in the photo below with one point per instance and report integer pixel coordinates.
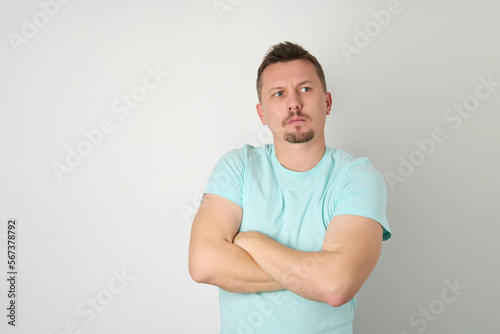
(196, 274)
(201, 268)
(204, 264)
(337, 300)
(338, 296)
(198, 271)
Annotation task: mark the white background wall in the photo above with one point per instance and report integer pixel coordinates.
(126, 207)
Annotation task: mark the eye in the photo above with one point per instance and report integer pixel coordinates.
(280, 93)
(305, 89)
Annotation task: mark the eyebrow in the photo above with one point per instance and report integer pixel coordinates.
(300, 84)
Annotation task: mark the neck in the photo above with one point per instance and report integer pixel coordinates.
(300, 157)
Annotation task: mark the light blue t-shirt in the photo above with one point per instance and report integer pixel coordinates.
(294, 208)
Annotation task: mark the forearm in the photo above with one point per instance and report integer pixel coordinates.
(304, 273)
(214, 259)
(231, 268)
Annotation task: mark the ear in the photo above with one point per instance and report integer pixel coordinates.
(328, 97)
(260, 111)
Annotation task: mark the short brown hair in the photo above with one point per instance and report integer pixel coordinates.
(284, 52)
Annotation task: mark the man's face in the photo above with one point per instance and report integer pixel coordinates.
(294, 105)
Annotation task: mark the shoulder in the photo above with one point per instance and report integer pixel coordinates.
(362, 190)
(240, 160)
(346, 167)
(247, 150)
(246, 154)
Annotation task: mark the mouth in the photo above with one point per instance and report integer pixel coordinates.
(296, 120)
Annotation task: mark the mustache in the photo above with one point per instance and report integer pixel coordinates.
(295, 114)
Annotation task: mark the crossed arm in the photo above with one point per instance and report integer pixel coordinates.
(250, 262)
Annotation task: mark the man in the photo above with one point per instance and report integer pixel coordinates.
(289, 232)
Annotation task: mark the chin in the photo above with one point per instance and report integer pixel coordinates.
(299, 137)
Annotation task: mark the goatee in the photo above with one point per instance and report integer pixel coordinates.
(299, 137)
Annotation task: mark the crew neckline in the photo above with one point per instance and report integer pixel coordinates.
(307, 173)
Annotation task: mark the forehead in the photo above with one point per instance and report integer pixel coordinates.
(296, 70)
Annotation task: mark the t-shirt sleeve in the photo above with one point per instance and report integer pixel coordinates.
(227, 177)
(364, 193)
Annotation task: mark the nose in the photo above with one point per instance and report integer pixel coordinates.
(294, 102)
